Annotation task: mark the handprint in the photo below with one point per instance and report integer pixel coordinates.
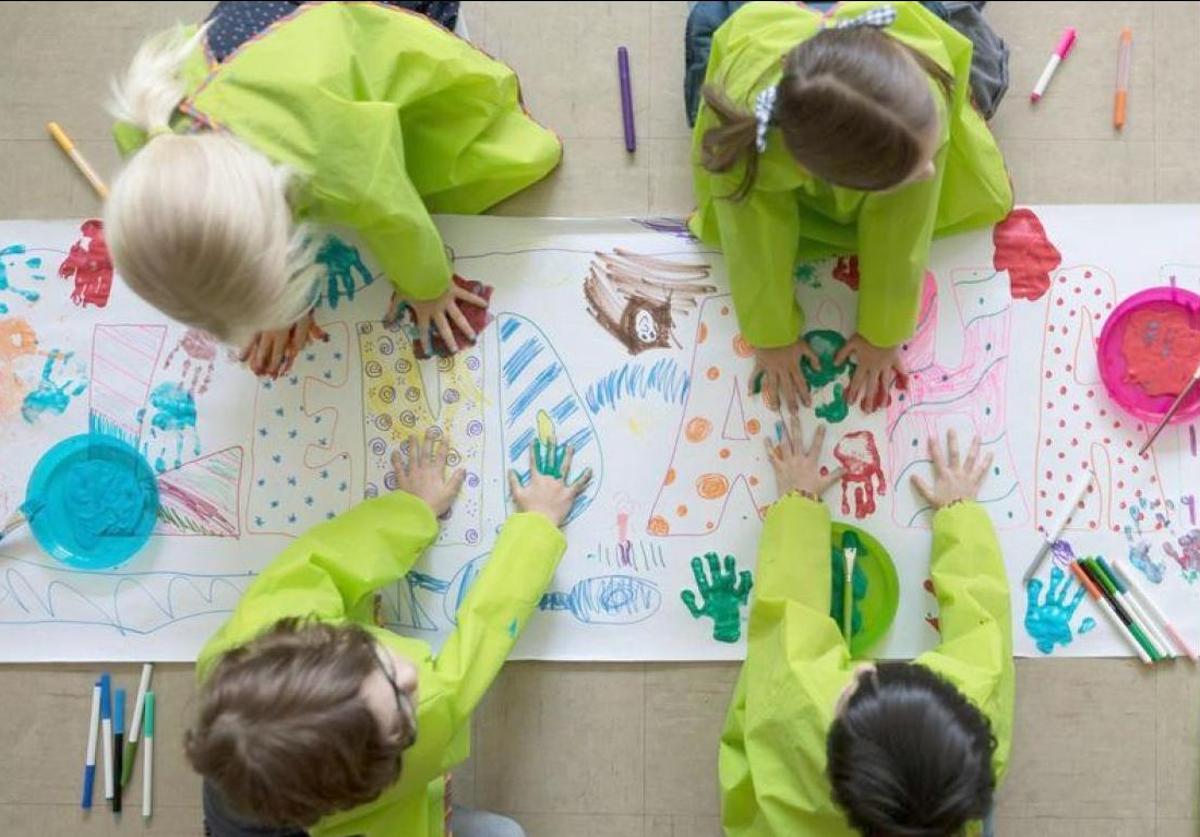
(89, 265)
(1049, 622)
(1139, 548)
(344, 270)
(50, 396)
(723, 597)
(199, 357)
(1188, 554)
(174, 419)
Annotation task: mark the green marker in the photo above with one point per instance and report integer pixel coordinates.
(135, 725)
(148, 755)
(1110, 593)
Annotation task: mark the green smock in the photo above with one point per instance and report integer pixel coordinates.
(772, 756)
(789, 215)
(385, 116)
(331, 574)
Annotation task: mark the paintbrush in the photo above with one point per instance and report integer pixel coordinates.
(23, 515)
(1174, 408)
(849, 554)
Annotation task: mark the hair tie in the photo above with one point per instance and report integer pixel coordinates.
(764, 112)
(877, 18)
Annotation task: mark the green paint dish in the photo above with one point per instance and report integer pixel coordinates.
(876, 589)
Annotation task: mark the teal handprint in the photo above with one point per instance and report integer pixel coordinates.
(50, 396)
(1049, 621)
(723, 596)
(345, 271)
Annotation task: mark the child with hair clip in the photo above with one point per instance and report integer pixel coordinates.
(364, 115)
(313, 720)
(819, 745)
(824, 135)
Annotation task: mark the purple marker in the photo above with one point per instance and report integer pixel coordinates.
(626, 99)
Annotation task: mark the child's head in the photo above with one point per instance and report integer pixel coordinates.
(854, 107)
(306, 720)
(199, 225)
(908, 755)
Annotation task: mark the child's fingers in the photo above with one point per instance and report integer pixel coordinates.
(460, 319)
(398, 463)
(844, 353)
(772, 451)
(565, 468)
(443, 453)
(443, 327)
(984, 467)
(795, 435)
(818, 442)
(973, 454)
(533, 468)
(456, 481)
(423, 326)
(467, 296)
(580, 484)
(952, 448)
(922, 488)
(833, 478)
(514, 484)
(935, 454)
(800, 386)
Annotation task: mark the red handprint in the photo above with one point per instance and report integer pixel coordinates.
(859, 457)
(88, 263)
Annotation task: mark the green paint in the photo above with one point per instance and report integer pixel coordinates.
(723, 593)
(829, 381)
(344, 270)
(513, 629)
(548, 458)
(806, 274)
(859, 584)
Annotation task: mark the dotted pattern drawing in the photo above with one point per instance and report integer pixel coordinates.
(300, 475)
(398, 403)
(124, 358)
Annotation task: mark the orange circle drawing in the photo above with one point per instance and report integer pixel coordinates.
(740, 347)
(713, 373)
(752, 427)
(697, 429)
(724, 453)
(754, 480)
(681, 511)
(670, 478)
(708, 525)
(658, 526)
(724, 310)
(703, 335)
(712, 486)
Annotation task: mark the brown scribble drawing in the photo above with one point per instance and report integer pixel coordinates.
(636, 298)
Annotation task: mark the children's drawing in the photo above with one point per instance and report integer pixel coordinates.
(829, 381)
(969, 396)
(172, 424)
(197, 351)
(420, 595)
(345, 273)
(201, 497)
(639, 556)
(676, 227)
(1078, 429)
(723, 594)
(664, 379)
(607, 600)
(863, 473)
(17, 343)
(533, 380)
(52, 394)
(89, 265)
(1186, 553)
(1024, 251)
(295, 443)
(16, 259)
(124, 359)
(1048, 618)
(1141, 553)
(477, 317)
(636, 298)
(402, 398)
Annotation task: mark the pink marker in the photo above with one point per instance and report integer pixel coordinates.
(1065, 45)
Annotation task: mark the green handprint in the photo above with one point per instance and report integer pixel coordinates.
(342, 263)
(723, 597)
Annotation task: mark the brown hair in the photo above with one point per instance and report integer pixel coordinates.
(853, 105)
(283, 731)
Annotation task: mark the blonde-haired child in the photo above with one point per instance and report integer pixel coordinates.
(850, 132)
(358, 114)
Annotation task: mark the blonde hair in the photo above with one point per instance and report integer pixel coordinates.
(853, 108)
(199, 224)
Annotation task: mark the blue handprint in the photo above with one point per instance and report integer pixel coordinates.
(49, 396)
(1139, 548)
(1049, 621)
(344, 269)
(174, 419)
(10, 257)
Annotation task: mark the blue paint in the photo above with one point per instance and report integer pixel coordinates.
(1048, 622)
(525, 354)
(175, 419)
(7, 261)
(665, 378)
(540, 383)
(48, 396)
(1139, 549)
(1086, 625)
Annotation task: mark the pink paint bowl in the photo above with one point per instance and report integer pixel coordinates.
(1149, 348)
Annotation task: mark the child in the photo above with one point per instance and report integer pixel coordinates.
(816, 745)
(846, 134)
(312, 717)
(359, 114)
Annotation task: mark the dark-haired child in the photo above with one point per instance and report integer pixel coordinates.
(818, 745)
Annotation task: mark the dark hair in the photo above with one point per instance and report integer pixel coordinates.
(283, 731)
(853, 105)
(909, 756)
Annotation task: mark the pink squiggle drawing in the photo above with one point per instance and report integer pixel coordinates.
(969, 396)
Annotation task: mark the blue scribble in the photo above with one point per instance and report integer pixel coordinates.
(664, 378)
(607, 600)
(1086, 625)
(1049, 622)
(7, 260)
(174, 419)
(49, 396)
(344, 271)
(535, 388)
(1139, 549)
(522, 357)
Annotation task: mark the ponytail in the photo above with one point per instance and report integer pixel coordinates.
(722, 146)
(151, 88)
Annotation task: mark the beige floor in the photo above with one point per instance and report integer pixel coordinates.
(1101, 748)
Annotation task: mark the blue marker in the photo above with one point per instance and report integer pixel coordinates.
(118, 743)
(106, 732)
(89, 762)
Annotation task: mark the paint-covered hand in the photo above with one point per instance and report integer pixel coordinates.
(420, 467)
(440, 312)
(954, 479)
(798, 468)
(272, 353)
(876, 369)
(723, 593)
(777, 375)
(549, 494)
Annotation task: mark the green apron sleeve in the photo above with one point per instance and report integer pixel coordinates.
(738, 799)
(330, 570)
(971, 585)
(895, 230)
(496, 608)
(759, 236)
(793, 554)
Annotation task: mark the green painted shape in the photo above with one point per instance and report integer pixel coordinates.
(806, 274)
(723, 593)
(826, 344)
(549, 458)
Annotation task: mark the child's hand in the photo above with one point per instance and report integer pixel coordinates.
(422, 473)
(272, 353)
(873, 376)
(548, 495)
(777, 373)
(953, 480)
(440, 312)
(797, 469)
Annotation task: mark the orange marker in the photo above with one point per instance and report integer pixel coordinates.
(1122, 93)
(68, 147)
